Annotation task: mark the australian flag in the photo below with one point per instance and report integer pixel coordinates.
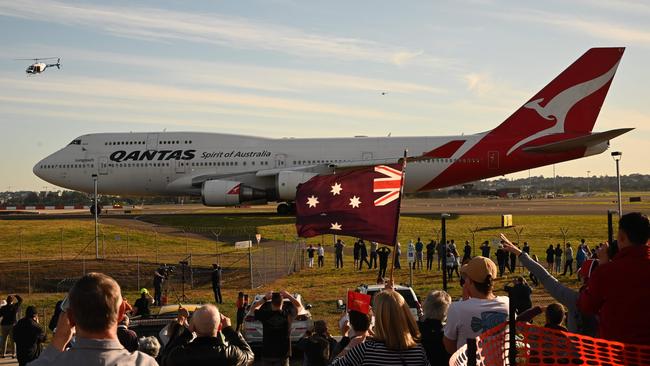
(363, 203)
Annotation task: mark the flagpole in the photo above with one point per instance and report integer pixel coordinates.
(401, 193)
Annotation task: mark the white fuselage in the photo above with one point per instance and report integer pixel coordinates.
(167, 163)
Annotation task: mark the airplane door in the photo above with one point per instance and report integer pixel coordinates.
(280, 160)
(493, 160)
(180, 166)
(103, 165)
(152, 141)
(366, 156)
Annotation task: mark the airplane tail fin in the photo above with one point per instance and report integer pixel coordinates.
(568, 104)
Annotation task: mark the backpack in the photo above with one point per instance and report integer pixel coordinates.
(317, 350)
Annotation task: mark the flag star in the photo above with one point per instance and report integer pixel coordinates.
(336, 226)
(336, 189)
(312, 201)
(355, 202)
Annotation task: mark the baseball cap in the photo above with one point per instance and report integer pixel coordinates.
(144, 291)
(478, 268)
(587, 267)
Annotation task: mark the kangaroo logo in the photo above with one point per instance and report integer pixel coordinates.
(558, 107)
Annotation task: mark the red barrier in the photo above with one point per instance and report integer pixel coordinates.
(542, 346)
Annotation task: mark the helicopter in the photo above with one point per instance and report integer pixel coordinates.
(39, 67)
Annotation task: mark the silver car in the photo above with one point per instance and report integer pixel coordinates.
(252, 329)
(407, 293)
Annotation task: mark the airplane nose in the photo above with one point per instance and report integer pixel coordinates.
(38, 169)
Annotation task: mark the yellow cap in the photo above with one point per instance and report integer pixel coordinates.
(144, 291)
(478, 268)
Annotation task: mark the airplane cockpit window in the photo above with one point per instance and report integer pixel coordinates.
(75, 142)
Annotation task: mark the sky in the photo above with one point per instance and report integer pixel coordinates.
(281, 68)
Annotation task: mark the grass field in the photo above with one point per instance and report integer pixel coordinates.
(41, 239)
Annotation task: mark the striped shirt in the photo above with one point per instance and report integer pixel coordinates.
(372, 352)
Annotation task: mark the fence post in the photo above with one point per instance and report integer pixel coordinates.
(61, 243)
(137, 258)
(512, 333)
(250, 264)
(20, 246)
(471, 351)
(29, 278)
(127, 243)
(191, 273)
(155, 242)
(83, 266)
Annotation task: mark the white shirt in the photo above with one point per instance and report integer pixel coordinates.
(321, 251)
(469, 318)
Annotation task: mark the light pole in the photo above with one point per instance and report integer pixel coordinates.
(588, 171)
(617, 155)
(443, 240)
(96, 219)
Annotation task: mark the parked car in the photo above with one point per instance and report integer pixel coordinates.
(152, 325)
(407, 293)
(252, 329)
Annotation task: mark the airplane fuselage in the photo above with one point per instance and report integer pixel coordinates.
(165, 163)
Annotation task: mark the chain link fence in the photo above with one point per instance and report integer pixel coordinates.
(54, 265)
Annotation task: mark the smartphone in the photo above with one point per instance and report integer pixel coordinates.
(65, 304)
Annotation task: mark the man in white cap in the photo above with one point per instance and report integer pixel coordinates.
(480, 309)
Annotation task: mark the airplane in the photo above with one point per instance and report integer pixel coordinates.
(39, 67)
(555, 125)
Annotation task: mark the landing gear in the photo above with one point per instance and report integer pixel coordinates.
(286, 208)
(92, 210)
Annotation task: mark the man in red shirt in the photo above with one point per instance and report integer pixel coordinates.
(618, 289)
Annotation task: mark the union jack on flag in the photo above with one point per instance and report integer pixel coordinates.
(392, 184)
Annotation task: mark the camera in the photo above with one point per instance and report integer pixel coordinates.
(166, 270)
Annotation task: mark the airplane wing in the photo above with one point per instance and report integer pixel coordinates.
(325, 168)
(578, 142)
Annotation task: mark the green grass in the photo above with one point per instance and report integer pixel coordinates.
(53, 239)
(320, 287)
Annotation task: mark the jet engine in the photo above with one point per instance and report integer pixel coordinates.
(229, 193)
(288, 181)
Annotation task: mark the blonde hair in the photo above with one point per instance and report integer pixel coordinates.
(394, 323)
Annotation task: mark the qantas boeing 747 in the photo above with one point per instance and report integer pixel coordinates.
(555, 125)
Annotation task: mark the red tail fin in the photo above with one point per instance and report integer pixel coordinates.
(570, 103)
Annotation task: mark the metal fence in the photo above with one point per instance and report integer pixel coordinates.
(243, 268)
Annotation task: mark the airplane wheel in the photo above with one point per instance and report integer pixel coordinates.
(283, 209)
(92, 210)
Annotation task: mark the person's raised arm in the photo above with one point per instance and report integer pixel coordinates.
(563, 294)
(508, 246)
(293, 300)
(258, 304)
(20, 299)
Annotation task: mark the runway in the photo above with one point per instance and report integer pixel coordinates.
(576, 205)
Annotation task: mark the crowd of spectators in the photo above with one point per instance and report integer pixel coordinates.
(91, 325)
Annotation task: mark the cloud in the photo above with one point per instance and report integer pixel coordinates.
(240, 75)
(403, 57)
(162, 25)
(597, 28)
(479, 83)
(99, 94)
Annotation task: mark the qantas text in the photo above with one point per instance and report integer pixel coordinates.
(122, 155)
